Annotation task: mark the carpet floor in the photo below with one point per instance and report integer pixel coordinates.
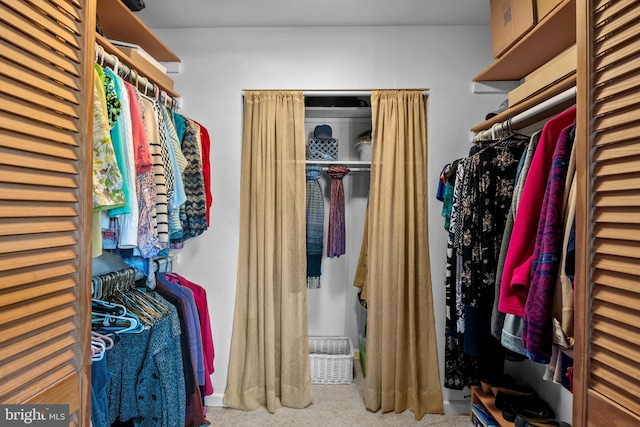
(333, 406)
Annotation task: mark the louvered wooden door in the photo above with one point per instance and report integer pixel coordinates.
(46, 60)
(607, 370)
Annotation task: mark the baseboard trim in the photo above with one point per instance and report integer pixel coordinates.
(216, 399)
(457, 407)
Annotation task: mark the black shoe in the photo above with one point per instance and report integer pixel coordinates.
(521, 421)
(528, 407)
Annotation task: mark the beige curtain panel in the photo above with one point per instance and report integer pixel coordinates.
(270, 347)
(402, 360)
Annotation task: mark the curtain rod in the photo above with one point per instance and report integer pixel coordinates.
(124, 72)
(498, 129)
(343, 92)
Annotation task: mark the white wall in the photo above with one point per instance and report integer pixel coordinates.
(217, 64)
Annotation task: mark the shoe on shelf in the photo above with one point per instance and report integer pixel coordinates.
(529, 407)
(507, 384)
(521, 421)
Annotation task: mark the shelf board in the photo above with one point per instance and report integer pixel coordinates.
(337, 112)
(550, 92)
(347, 163)
(489, 402)
(550, 37)
(120, 23)
(133, 64)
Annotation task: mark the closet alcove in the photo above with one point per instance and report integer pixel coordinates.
(332, 308)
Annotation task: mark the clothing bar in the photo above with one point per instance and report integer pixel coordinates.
(325, 168)
(500, 130)
(142, 82)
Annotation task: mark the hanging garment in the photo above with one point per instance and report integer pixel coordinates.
(517, 267)
(538, 327)
(336, 238)
(315, 227)
(195, 217)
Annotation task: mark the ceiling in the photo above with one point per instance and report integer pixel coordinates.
(296, 13)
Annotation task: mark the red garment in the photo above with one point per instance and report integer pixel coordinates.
(516, 275)
(200, 296)
(142, 155)
(205, 146)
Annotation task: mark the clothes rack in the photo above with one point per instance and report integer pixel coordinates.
(143, 82)
(505, 128)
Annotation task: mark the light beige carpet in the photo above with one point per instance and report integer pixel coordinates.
(333, 406)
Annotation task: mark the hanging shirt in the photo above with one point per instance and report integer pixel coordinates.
(107, 179)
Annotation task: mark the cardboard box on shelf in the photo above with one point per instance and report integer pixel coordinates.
(543, 7)
(510, 20)
(147, 68)
(551, 72)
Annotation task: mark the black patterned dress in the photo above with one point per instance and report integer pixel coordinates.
(483, 189)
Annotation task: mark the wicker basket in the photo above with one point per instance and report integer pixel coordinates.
(322, 149)
(331, 360)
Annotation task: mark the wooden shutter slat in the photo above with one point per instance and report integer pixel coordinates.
(617, 87)
(617, 263)
(617, 297)
(34, 112)
(37, 17)
(616, 151)
(62, 392)
(42, 82)
(68, 8)
(617, 247)
(25, 294)
(33, 144)
(37, 193)
(13, 209)
(617, 166)
(616, 215)
(615, 36)
(62, 16)
(629, 181)
(34, 258)
(617, 118)
(607, 405)
(17, 226)
(604, 76)
(38, 50)
(10, 314)
(632, 13)
(619, 134)
(44, 321)
(621, 348)
(20, 91)
(613, 199)
(26, 176)
(619, 102)
(24, 125)
(612, 8)
(52, 370)
(31, 358)
(76, 3)
(36, 65)
(602, 364)
(30, 242)
(617, 231)
(37, 161)
(617, 314)
(606, 326)
(35, 274)
(32, 29)
(6, 352)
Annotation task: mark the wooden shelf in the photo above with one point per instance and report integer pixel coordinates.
(550, 37)
(337, 112)
(548, 93)
(488, 400)
(120, 23)
(136, 65)
(347, 163)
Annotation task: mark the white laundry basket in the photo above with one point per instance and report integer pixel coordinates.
(331, 360)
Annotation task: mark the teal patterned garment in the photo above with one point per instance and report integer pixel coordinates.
(194, 215)
(107, 179)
